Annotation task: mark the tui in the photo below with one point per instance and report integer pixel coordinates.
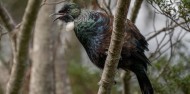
(93, 29)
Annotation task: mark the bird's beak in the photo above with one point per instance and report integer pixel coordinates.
(59, 16)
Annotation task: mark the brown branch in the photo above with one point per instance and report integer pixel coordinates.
(114, 48)
(159, 48)
(178, 40)
(135, 10)
(107, 6)
(163, 30)
(6, 18)
(171, 53)
(20, 60)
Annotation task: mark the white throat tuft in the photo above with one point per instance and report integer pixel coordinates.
(70, 26)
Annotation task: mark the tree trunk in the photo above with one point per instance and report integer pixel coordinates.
(42, 72)
(62, 78)
(61, 61)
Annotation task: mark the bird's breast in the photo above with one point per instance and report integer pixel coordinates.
(70, 26)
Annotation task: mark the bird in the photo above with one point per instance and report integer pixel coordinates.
(94, 28)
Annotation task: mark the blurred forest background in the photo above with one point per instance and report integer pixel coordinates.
(68, 70)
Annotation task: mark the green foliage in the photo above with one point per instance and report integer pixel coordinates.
(176, 10)
(175, 79)
(82, 80)
(170, 75)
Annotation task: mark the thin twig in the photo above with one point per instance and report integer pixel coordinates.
(102, 8)
(107, 6)
(160, 45)
(165, 14)
(163, 30)
(173, 44)
(167, 64)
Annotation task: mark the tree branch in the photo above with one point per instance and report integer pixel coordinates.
(160, 10)
(115, 47)
(164, 29)
(6, 18)
(20, 61)
(135, 10)
(10, 26)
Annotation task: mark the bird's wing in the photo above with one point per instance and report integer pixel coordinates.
(134, 40)
(135, 44)
(139, 40)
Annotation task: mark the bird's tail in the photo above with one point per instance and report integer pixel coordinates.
(144, 82)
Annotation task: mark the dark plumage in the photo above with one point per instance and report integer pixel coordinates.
(93, 29)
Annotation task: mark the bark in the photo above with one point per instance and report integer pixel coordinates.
(42, 72)
(62, 78)
(135, 10)
(126, 76)
(20, 60)
(115, 47)
(60, 71)
(67, 48)
(25, 87)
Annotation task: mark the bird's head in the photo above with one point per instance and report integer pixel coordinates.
(68, 12)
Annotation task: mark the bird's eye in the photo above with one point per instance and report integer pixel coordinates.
(68, 10)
